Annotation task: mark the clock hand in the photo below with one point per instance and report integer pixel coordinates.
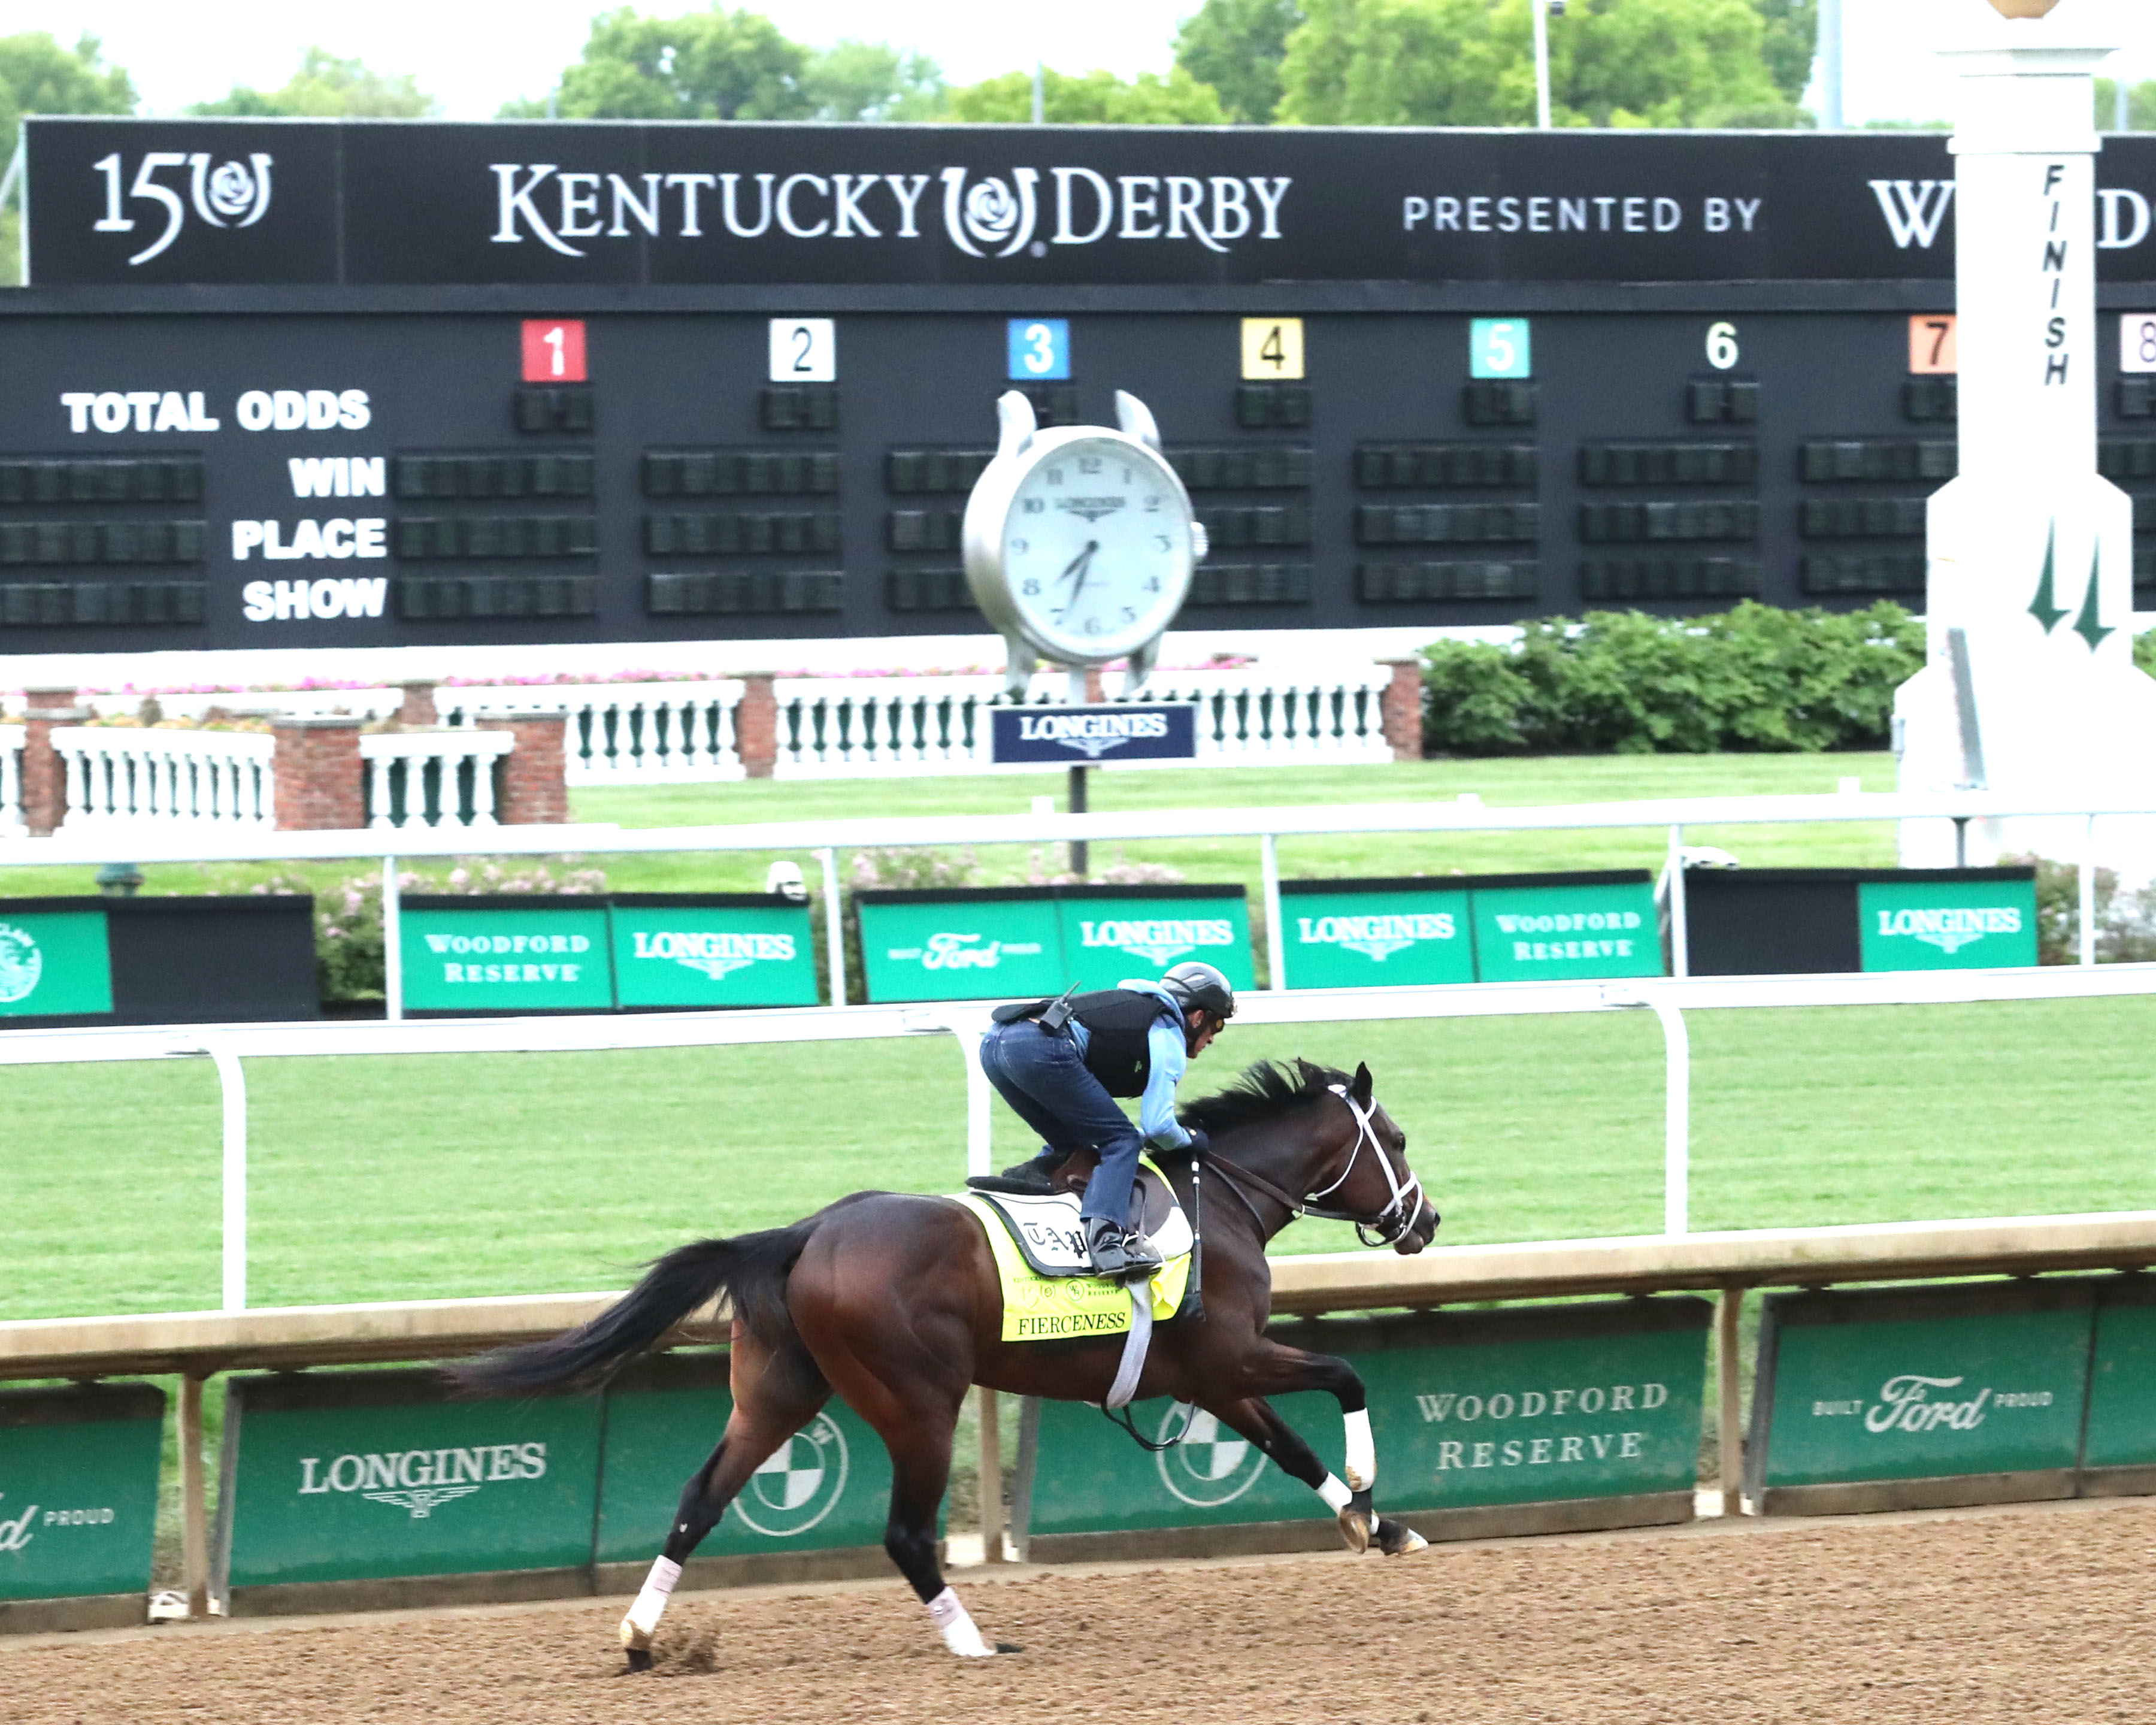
(1080, 566)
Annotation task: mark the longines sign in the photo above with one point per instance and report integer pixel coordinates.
(290, 202)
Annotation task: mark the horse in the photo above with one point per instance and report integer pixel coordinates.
(891, 1301)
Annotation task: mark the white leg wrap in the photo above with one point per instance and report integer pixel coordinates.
(1335, 1494)
(1361, 1452)
(959, 1635)
(651, 1603)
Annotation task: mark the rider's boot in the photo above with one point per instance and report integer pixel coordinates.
(1030, 1178)
(1118, 1254)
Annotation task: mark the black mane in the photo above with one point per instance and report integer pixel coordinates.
(1265, 1089)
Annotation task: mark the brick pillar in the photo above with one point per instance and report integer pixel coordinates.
(1403, 708)
(756, 724)
(1096, 691)
(418, 708)
(535, 783)
(321, 780)
(44, 774)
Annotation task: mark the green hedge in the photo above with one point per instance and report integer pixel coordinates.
(1622, 682)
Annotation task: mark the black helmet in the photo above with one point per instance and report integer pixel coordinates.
(1201, 987)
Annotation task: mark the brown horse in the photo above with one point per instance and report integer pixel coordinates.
(892, 1302)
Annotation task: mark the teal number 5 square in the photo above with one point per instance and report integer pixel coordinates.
(1500, 347)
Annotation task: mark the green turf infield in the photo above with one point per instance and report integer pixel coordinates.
(431, 1176)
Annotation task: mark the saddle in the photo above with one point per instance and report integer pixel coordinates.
(1051, 1238)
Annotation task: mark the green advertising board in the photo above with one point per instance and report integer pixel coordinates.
(987, 945)
(1966, 919)
(542, 955)
(1351, 934)
(1486, 1422)
(710, 949)
(53, 961)
(826, 1488)
(1112, 932)
(78, 1500)
(359, 1477)
(1919, 1398)
(1562, 928)
(2119, 1450)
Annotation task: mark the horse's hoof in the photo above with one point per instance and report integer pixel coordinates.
(639, 1659)
(1396, 1540)
(1008, 1647)
(1355, 1529)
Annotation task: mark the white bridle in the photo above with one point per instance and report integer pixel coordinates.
(1393, 1222)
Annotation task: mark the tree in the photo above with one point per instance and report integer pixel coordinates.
(38, 76)
(1097, 99)
(1236, 46)
(1789, 44)
(327, 88)
(869, 80)
(1669, 63)
(705, 65)
(2140, 105)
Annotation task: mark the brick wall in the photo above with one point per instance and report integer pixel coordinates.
(319, 777)
(44, 774)
(1403, 708)
(756, 724)
(534, 788)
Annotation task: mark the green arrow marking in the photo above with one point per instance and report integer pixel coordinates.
(2086, 625)
(2043, 608)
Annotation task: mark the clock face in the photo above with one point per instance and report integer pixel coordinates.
(1096, 547)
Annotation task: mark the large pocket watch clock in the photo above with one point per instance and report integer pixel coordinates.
(1080, 541)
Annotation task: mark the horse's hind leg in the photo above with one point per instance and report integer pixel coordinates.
(776, 1392)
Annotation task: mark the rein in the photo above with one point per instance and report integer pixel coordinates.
(1390, 1223)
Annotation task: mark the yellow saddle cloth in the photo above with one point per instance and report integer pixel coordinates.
(1058, 1308)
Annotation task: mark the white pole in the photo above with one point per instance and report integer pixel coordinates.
(393, 943)
(2122, 107)
(1680, 928)
(834, 925)
(1676, 1119)
(1541, 8)
(980, 1095)
(1829, 65)
(1039, 93)
(2089, 889)
(232, 1083)
(1275, 932)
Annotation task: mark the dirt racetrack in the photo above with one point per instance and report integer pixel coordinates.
(2042, 1616)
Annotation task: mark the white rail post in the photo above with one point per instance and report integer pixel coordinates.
(1677, 1118)
(1275, 932)
(1680, 931)
(2088, 889)
(194, 1500)
(393, 943)
(980, 1095)
(1729, 1362)
(231, 1084)
(834, 925)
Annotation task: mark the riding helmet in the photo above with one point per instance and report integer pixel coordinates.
(1200, 987)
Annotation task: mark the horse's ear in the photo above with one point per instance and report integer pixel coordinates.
(1361, 1087)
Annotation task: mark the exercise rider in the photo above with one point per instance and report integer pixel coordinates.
(1061, 1064)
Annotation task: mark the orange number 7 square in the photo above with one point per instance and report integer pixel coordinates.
(1932, 345)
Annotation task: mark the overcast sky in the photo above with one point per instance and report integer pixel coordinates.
(473, 55)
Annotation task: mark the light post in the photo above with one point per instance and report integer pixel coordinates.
(1544, 11)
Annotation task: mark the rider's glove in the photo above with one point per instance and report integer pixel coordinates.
(1200, 1141)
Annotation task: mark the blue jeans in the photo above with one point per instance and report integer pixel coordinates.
(1045, 1081)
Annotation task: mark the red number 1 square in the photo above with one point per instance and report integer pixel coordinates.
(554, 350)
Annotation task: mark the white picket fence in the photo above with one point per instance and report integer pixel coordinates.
(847, 728)
(116, 775)
(432, 778)
(11, 778)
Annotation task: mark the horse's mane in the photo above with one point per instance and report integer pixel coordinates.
(1266, 1088)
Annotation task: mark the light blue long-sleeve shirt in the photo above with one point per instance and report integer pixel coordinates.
(1168, 1058)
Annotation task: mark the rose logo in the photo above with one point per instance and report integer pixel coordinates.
(21, 964)
(992, 216)
(234, 194)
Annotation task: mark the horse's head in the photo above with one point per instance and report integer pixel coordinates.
(1369, 1183)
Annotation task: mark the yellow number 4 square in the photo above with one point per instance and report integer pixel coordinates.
(1272, 347)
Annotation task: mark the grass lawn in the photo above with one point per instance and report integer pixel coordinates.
(387, 1178)
(1499, 783)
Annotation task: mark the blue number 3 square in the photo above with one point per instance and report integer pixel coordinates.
(1040, 349)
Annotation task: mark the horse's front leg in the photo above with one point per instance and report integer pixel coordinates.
(1275, 1370)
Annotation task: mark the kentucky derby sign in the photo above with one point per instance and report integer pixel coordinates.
(1096, 734)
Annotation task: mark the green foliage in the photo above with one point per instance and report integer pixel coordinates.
(2125, 922)
(38, 76)
(1096, 99)
(1789, 42)
(2140, 105)
(327, 88)
(1237, 46)
(1616, 63)
(1756, 678)
(869, 80)
(2144, 652)
(705, 65)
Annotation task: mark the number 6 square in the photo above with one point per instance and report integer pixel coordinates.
(803, 350)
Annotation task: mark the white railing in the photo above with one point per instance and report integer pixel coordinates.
(432, 778)
(11, 778)
(621, 733)
(122, 776)
(261, 703)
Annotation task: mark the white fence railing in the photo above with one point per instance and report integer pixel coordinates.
(621, 733)
(10, 779)
(432, 778)
(119, 777)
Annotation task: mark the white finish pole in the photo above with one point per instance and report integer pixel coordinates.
(393, 943)
(1829, 65)
(1680, 927)
(1542, 64)
(1275, 932)
(1677, 1118)
(980, 1096)
(231, 1084)
(834, 925)
(2088, 890)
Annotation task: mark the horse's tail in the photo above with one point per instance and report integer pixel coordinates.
(750, 1269)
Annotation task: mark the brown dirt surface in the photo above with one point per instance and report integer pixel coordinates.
(2032, 1614)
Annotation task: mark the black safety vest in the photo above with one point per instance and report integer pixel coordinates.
(1117, 1021)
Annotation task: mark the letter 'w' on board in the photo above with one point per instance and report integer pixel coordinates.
(554, 350)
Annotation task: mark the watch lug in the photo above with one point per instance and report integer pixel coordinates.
(1136, 418)
(1139, 667)
(1016, 422)
(1018, 664)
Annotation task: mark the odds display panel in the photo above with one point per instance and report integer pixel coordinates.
(294, 384)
